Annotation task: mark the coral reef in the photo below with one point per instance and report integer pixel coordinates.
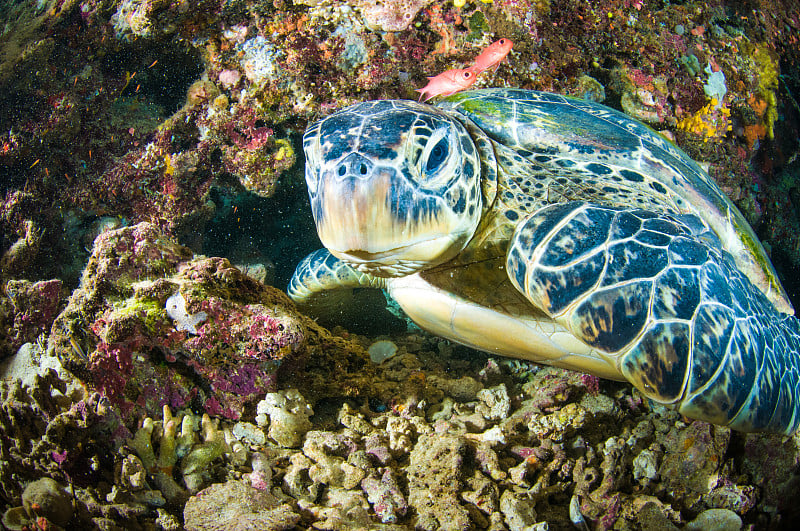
(45, 505)
(517, 447)
(236, 505)
(422, 469)
(177, 440)
(179, 105)
(29, 309)
(220, 349)
(128, 329)
(57, 444)
(130, 126)
(173, 115)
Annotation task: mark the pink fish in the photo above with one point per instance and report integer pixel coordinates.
(448, 82)
(492, 55)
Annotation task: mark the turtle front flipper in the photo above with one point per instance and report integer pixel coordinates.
(324, 286)
(668, 307)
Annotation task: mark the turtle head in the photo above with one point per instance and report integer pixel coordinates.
(395, 186)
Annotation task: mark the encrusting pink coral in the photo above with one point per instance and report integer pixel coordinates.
(151, 325)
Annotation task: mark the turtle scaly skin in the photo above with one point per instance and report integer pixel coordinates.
(541, 227)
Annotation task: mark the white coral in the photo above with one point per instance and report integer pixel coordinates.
(176, 309)
(715, 86)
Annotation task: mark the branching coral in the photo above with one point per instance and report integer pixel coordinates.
(178, 440)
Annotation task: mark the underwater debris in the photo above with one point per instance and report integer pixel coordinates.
(381, 351)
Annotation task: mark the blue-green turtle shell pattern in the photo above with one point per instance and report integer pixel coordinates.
(549, 128)
(669, 307)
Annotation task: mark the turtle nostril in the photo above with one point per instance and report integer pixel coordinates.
(353, 166)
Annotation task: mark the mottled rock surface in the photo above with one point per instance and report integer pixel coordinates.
(236, 506)
(119, 333)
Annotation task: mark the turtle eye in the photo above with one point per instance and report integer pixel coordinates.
(437, 155)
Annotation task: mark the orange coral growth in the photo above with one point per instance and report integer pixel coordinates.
(757, 131)
(754, 133)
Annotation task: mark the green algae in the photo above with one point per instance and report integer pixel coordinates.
(150, 312)
(768, 73)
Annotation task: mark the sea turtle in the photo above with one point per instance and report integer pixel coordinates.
(558, 230)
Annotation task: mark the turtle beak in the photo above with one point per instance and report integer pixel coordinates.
(368, 216)
(354, 216)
